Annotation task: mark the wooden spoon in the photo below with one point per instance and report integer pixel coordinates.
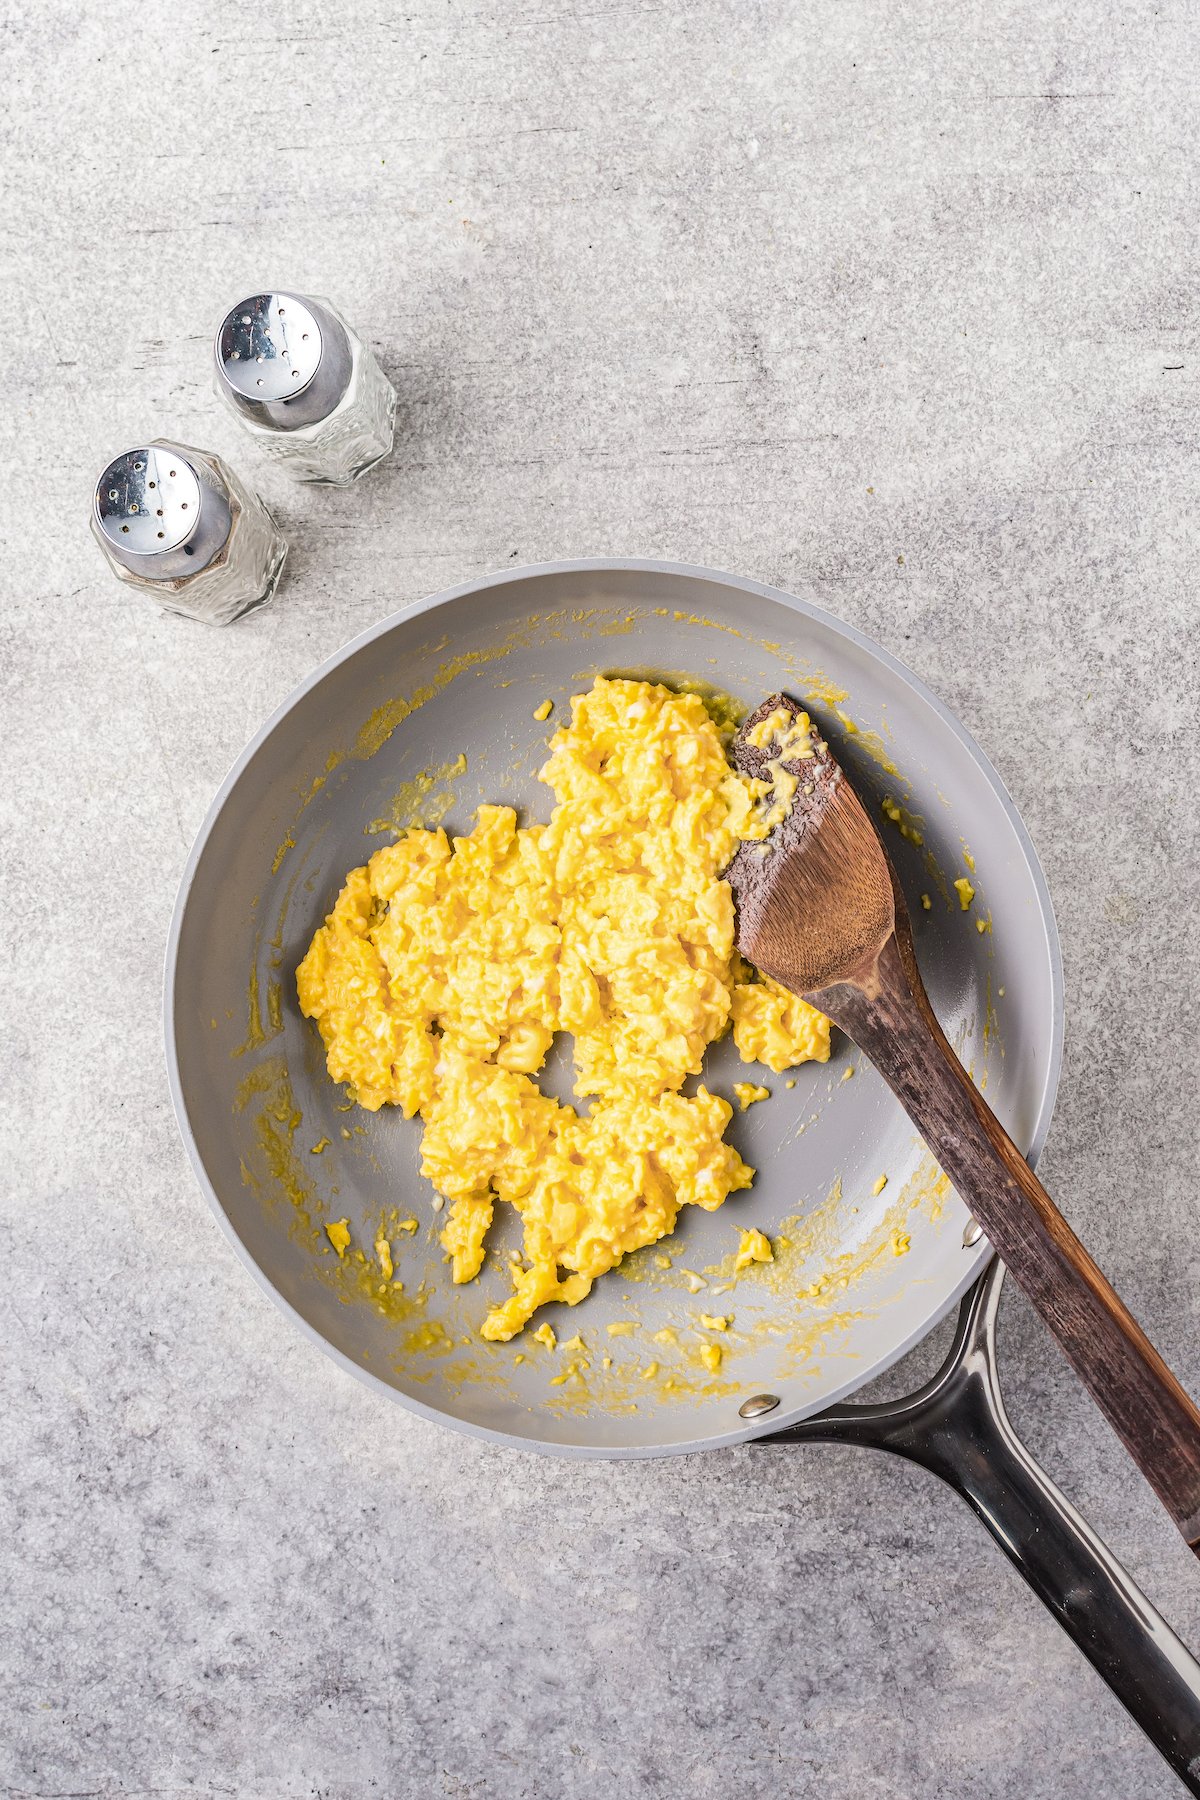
(819, 908)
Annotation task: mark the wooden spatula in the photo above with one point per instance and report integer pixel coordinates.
(820, 909)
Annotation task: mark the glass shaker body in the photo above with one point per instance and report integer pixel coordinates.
(179, 525)
(305, 386)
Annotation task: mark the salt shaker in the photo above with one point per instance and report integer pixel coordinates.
(178, 524)
(305, 386)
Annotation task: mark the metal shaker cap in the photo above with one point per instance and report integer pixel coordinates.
(159, 513)
(283, 360)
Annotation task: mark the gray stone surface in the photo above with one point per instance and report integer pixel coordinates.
(899, 301)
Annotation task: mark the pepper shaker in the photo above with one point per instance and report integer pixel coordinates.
(179, 524)
(305, 386)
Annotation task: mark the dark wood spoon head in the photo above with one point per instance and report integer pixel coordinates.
(816, 900)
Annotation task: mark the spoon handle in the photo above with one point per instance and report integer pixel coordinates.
(889, 1017)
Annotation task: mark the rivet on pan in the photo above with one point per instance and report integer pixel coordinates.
(972, 1234)
(757, 1405)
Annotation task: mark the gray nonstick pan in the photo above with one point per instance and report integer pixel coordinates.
(423, 718)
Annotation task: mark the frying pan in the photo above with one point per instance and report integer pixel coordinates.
(376, 738)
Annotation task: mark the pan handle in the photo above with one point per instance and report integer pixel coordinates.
(957, 1427)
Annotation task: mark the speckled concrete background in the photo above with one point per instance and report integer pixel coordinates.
(896, 301)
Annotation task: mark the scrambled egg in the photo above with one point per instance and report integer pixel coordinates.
(754, 1247)
(338, 1234)
(446, 968)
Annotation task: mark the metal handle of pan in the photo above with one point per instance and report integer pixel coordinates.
(956, 1426)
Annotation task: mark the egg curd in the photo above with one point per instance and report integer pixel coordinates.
(447, 966)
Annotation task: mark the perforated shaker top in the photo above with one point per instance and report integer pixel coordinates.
(148, 501)
(270, 347)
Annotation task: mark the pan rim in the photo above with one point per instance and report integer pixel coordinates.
(974, 1263)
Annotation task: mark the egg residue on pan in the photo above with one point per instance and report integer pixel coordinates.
(447, 966)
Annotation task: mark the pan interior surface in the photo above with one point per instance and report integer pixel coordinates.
(422, 720)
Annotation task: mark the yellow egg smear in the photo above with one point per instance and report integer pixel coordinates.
(787, 736)
(447, 967)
